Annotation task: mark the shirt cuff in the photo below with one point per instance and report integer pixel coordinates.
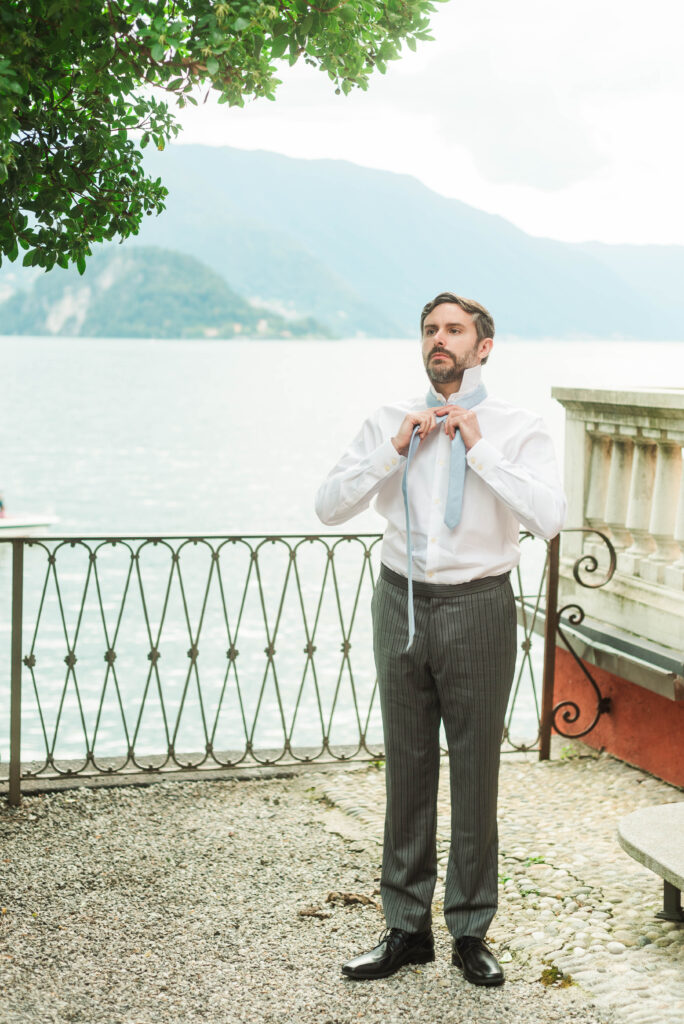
(483, 456)
(385, 459)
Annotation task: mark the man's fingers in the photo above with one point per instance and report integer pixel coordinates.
(460, 419)
(430, 423)
(425, 421)
(451, 424)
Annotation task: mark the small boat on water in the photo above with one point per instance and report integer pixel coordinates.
(24, 525)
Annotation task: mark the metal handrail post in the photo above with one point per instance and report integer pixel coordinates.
(550, 627)
(15, 692)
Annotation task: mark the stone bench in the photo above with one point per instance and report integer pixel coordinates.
(655, 837)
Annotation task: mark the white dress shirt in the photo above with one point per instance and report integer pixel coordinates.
(512, 480)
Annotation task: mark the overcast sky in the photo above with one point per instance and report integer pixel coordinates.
(565, 118)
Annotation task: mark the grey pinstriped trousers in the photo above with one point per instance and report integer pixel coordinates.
(459, 670)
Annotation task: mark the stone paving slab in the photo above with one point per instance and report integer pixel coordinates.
(575, 909)
(654, 836)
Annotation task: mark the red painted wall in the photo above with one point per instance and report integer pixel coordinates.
(642, 728)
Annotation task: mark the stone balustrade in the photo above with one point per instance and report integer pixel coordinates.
(623, 476)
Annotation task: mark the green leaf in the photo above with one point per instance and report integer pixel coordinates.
(81, 264)
(279, 46)
(157, 52)
(212, 65)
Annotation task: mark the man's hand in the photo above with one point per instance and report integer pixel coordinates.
(456, 418)
(426, 421)
(464, 420)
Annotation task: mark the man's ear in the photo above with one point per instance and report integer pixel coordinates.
(485, 347)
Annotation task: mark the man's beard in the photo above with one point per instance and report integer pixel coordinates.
(449, 372)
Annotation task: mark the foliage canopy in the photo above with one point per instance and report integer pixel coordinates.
(81, 83)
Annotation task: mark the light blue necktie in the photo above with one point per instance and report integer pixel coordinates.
(457, 472)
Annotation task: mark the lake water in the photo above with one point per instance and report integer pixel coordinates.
(218, 437)
(194, 437)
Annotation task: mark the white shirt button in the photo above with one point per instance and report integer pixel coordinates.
(433, 540)
(431, 574)
(387, 469)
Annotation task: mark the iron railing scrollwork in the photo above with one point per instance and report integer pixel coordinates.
(135, 652)
(568, 712)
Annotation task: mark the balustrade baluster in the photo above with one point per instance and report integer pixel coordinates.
(618, 491)
(597, 486)
(674, 574)
(639, 507)
(599, 465)
(663, 511)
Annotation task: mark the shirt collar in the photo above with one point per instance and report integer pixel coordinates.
(471, 380)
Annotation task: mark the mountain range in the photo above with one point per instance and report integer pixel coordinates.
(360, 251)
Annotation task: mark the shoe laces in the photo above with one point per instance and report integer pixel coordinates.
(391, 936)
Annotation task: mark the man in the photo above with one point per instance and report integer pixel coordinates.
(446, 558)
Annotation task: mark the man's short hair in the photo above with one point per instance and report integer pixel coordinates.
(482, 318)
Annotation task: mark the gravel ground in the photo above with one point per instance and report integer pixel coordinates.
(226, 902)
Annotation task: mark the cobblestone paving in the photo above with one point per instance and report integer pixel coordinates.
(574, 908)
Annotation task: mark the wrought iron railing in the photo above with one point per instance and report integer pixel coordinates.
(166, 655)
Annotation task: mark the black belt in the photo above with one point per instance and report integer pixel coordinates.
(421, 589)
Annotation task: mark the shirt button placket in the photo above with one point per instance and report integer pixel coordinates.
(436, 515)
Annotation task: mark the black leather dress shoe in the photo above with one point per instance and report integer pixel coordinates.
(479, 965)
(395, 949)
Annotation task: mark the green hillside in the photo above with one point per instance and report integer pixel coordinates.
(143, 292)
